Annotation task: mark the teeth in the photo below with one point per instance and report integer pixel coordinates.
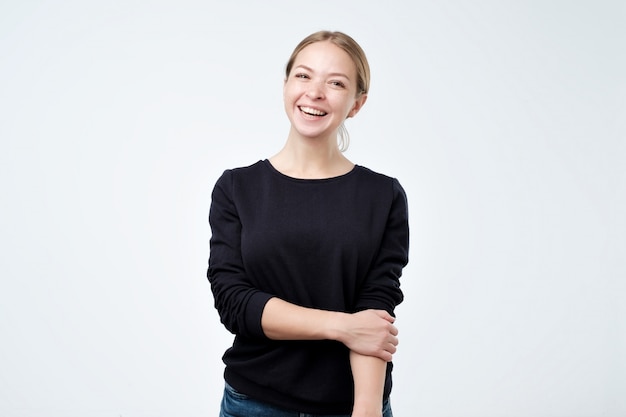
(312, 112)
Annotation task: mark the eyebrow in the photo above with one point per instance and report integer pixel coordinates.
(333, 74)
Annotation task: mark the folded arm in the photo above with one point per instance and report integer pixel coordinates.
(381, 290)
(369, 332)
(369, 383)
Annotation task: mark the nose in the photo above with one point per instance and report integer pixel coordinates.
(315, 91)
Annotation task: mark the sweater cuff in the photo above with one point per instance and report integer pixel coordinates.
(254, 312)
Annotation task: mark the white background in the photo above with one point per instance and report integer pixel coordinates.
(504, 120)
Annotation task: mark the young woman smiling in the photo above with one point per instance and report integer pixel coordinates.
(306, 253)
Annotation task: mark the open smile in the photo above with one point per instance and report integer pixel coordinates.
(311, 111)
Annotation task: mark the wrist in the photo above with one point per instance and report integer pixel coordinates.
(362, 410)
(335, 326)
(369, 402)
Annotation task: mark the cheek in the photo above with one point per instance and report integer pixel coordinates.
(349, 106)
(289, 92)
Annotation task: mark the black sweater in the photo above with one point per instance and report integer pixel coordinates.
(335, 244)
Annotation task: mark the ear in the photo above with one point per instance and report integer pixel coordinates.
(358, 103)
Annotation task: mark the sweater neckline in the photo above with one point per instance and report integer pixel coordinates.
(269, 165)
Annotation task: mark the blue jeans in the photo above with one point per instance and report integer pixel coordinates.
(236, 404)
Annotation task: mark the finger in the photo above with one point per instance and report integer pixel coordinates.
(383, 314)
(385, 355)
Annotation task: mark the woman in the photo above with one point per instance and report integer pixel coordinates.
(307, 250)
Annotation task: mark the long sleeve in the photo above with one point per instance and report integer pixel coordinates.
(381, 287)
(238, 303)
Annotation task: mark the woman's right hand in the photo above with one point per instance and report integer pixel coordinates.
(370, 333)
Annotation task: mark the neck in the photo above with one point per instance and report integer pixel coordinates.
(311, 158)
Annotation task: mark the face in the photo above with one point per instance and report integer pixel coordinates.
(320, 92)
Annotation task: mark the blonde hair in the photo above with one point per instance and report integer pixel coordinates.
(356, 53)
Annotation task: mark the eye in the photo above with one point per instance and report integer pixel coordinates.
(338, 84)
(301, 75)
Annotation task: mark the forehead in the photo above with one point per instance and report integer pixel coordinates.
(326, 56)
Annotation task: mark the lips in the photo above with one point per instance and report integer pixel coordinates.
(311, 111)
